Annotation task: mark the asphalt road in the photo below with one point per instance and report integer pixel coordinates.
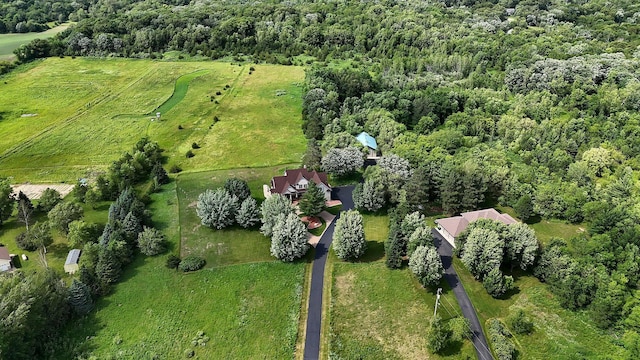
(446, 254)
(314, 315)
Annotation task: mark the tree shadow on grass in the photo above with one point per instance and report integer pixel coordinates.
(374, 252)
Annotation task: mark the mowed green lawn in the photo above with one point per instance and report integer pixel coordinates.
(232, 245)
(247, 311)
(10, 42)
(70, 117)
(558, 333)
(377, 313)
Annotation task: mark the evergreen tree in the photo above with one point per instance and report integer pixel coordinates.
(270, 209)
(151, 241)
(217, 208)
(160, 174)
(450, 191)
(524, 207)
(289, 240)
(237, 187)
(248, 214)
(417, 188)
(393, 247)
(131, 226)
(348, 240)
(313, 201)
(313, 156)
(108, 267)
(80, 298)
(496, 283)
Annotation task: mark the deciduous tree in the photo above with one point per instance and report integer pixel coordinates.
(289, 240)
(248, 214)
(426, 265)
(151, 241)
(63, 214)
(270, 209)
(217, 208)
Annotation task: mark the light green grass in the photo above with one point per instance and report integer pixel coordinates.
(10, 42)
(248, 311)
(84, 114)
(228, 246)
(377, 313)
(180, 91)
(558, 333)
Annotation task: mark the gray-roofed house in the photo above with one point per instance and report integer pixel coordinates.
(369, 142)
(5, 259)
(71, 265)
(295, 182)
(451, 227)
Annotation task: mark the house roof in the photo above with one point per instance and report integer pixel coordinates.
(4, 253)
(73, 257)
(457, 224)
(280, 184)
(367, 140)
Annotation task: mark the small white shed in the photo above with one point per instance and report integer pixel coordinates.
(71, 265)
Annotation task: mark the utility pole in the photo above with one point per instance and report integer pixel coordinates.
(438, 293)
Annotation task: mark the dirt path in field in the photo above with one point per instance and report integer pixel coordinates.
(34, 191)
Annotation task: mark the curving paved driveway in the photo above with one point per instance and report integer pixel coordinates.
(314, 315)
(446, 254)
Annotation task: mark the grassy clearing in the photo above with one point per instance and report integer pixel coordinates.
(377, 313)
(547, 229)
(58, 138)
(558, 333)
(180, 91)
(228, 246)
(247, 311)
(10, 42)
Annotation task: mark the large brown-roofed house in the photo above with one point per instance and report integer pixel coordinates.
(5, 259)
(451, 227)
(295, 182)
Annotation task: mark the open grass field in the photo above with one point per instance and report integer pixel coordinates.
(10, 42)
(233, 245)
(101, 104)
(377, 313)
(247, 311)
(558, 333)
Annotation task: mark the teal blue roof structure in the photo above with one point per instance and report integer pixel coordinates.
(367, 140)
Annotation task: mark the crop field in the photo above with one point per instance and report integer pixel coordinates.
(10, 42)
(71, 117)
(558, 333)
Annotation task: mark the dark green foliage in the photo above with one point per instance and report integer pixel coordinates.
(499, 337)
(393, 247)
(191, 263)
(190, 154)
(237, 187)
(195, 145)
(524, 207)
(313, 201)
(63, 214)
(174, 169)
(81, 233)
(109, 266)
(6, 200)
(313, 156)
(131, 226)
(172, 261)
(160, 174)
(37, 237)
(439, 335)
(496, 283)
(34, 307)
(80, 298)
(248, 214)
(80, 191)
(520, 323)
(48, 199)
(24, 242)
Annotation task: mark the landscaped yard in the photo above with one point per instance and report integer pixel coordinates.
(101, 104)
(558, 333)
(233, 245)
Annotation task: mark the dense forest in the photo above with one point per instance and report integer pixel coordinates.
(528, 104)
(20, 16)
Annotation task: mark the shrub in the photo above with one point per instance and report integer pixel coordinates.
(191, 263)
(173, 261)
(180, 127)
(190, 154)
(520, 323)
(174, 169)
(195, 145)
(25, 242)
